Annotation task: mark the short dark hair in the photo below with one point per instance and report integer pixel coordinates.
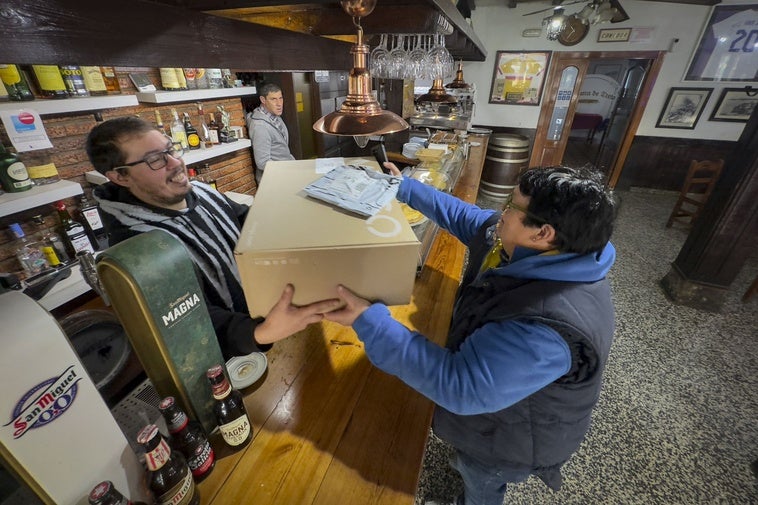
(575, 202)
(103, 141)
(267, 88)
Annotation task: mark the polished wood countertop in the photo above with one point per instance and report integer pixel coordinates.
(330, 427)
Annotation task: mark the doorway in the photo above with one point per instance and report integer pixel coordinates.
(592, 107)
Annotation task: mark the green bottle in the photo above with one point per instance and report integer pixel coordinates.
(13, 174)
(15, 83)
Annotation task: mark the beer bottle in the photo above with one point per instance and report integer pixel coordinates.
(106, 494)
(74, 232)
(229, 409)
(188, 437)
(168, 476)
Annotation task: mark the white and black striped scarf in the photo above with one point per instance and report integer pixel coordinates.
(208, 228)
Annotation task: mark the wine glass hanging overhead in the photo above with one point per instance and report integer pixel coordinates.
(411, 56)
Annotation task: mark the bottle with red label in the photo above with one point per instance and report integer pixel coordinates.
(106, 494)
(168, 476)
(74, 232)
(189, 438)
(229, 409)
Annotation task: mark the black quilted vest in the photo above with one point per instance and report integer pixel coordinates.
(540, 432)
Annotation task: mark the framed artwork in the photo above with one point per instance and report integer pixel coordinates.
(519, 77)
(726, 51)
(683, 107)
(734, 105)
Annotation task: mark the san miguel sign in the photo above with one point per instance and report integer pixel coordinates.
(45, 402)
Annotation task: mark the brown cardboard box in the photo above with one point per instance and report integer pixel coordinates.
(291, 238)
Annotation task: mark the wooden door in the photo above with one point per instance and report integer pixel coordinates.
(558, 105)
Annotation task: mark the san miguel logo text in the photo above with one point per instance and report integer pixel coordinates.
(45, 402)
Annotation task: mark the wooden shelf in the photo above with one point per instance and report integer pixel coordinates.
(68, 105)
(193, 94)
(10, 203)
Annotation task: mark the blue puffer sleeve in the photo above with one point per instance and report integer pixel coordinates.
(498, 365)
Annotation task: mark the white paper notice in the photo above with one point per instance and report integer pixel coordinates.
(25, 130)
(326, 165)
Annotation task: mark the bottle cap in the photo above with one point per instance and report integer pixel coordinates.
(99, 491)
(147, 433)
(166, 403)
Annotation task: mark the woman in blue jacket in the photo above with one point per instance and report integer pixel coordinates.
(531, 330)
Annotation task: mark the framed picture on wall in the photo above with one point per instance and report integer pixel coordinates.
(518, 77)
(683, 107)
(734, 105)
(726, 51)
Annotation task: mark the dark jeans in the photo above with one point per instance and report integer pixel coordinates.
(484, 484)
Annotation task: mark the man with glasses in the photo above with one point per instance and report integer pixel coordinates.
(530, 334)
(149, 189)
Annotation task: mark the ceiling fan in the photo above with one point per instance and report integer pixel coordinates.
(596, 11)
(572, 29)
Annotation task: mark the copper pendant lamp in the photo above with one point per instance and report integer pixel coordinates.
(360, 114)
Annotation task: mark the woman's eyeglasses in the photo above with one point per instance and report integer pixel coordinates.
(159, 160)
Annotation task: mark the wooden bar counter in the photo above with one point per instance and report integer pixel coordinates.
(330, 428)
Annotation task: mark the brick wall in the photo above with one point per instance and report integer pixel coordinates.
(67, 132)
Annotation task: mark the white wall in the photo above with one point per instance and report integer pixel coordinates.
(500, 27)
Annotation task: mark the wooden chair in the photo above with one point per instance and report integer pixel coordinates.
(701, 178)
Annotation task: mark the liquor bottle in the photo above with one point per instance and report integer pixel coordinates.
(168, 476)
(201, 78)
(207, 177)
(205, 137)
(41, 168)
(51, 244)
(15, 83)
(191, 174)
(74, 232)
(93, 80)
(213, 128)
(3, 92)
(29, 253)
(169, 81)
(180, 77)
(13, 174)
(189, 438)
(111, 80)
(227, 78)
(93, 221)
(193, 139)
(177, 130)
(105, 493)
(229, 409)
(215, 78)
(189, 76)
(159, 122)
(72, 76)
(49, 81)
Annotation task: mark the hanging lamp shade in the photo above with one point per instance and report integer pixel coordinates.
(437, 93)
(360, 114)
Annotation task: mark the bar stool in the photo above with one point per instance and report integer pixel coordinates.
(701, 178)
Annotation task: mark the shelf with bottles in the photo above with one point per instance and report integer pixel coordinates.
(51, 106)
(193, 94)
(11, 203)
(190, 157)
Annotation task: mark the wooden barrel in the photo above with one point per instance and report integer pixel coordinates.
(507, 156)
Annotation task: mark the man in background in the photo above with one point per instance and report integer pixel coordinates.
(267, 129)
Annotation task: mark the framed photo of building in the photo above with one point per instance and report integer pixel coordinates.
(726, 51)
(683, 107)
(518, 77)
(734, 105)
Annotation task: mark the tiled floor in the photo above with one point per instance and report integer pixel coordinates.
(677, 421)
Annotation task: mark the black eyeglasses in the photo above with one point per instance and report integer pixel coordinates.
(158, 160)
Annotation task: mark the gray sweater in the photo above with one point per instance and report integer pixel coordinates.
(269, 142)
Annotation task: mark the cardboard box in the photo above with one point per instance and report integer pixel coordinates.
(291, 238)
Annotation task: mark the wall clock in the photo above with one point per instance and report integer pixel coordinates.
(574, 31)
